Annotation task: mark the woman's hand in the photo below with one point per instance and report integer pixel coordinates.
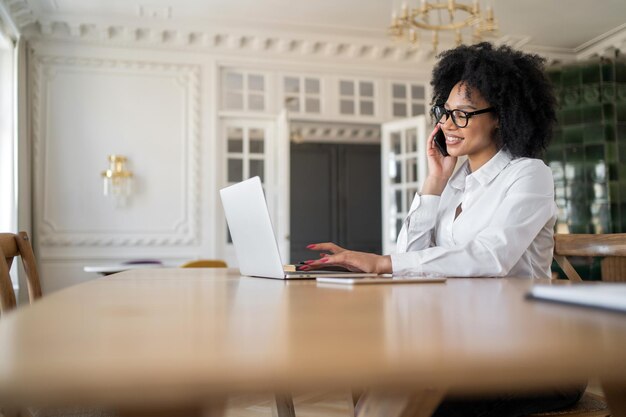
(351, 260)
(440, 167)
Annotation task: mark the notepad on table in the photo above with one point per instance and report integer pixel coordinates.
(381, 279)
(611, 296)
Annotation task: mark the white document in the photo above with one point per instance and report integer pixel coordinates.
(378, 280)
(610, 296)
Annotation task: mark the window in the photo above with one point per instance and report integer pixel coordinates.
(246, 153)
(302, 94)
(407, 100)
(356, 98)
(244, 91)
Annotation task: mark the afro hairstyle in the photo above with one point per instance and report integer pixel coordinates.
(513, 82)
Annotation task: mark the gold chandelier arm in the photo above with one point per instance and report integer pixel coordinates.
(405, 24)
(418, 14)
(450, 26)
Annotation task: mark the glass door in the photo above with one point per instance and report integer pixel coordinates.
(248, 148)
(404, 170)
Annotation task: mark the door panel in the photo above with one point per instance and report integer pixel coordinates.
(361, 205)
(313, 197)
(335, 197)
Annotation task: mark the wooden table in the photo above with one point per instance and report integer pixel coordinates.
(186, 337)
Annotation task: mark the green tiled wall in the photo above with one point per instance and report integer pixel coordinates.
(588, 150)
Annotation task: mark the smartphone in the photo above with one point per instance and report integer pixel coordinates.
(440, 142)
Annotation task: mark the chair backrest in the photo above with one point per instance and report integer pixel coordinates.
(611, 247)
(12, 245)
(205, 263)
(7, 295)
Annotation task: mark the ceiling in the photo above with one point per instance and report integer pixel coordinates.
(551, 24)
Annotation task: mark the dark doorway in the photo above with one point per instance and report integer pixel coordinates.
(335, 197)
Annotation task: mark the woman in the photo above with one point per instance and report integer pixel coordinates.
(495, 215)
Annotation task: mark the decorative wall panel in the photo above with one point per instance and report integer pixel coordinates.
(85, 109)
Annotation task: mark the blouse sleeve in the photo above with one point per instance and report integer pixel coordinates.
(526, 208)
(417, 229)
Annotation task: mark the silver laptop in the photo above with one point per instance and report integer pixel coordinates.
(253, 237)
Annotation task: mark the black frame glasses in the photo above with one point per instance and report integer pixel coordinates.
(460, 118)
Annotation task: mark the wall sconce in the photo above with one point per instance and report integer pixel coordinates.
(117, 180)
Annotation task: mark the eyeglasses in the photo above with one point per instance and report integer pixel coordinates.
(459, 117)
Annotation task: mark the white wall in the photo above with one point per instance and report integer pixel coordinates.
(152, 107)
(158, 108)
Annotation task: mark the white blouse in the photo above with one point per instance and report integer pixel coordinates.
(505, 227)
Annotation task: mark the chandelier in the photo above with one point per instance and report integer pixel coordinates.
(447, 16)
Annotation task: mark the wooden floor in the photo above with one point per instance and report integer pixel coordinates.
(321, 404)
(307, 405)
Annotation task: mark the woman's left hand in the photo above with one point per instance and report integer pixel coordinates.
(351, 260)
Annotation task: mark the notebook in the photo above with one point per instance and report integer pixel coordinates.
(611, 296)
(253, 236)
(378, 280)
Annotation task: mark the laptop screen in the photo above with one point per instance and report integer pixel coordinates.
(251, 229)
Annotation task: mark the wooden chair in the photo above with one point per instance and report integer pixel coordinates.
(7, 295)
(610, 247)
(11, 246)
(205, 263)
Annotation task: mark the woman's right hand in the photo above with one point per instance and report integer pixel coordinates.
(440, 168)
(351, 260)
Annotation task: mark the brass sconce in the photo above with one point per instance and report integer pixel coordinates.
(117, 180)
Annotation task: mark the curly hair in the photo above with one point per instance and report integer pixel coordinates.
(513, 82)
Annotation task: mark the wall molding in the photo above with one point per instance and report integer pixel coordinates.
(186, 229)
(356, 133)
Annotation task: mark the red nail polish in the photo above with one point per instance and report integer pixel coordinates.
(310, 246)
(304, 268)
(308, 262)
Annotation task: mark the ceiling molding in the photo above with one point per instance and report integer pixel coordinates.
(552, 55)
(276, 42)
(8, 26)
(160, 31)
(604, 45)
(225, 41)
(18, 13)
